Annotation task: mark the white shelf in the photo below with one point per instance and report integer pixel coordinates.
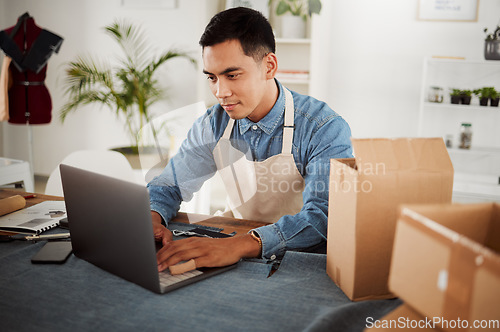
(477, 170)
(303, 41)
(294, 55)
(291, 81)
(471, 107)
(473, 62)
(475, 150)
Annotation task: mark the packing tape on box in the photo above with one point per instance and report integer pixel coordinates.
(11, 204)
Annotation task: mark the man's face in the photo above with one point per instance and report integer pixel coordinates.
(240, 84)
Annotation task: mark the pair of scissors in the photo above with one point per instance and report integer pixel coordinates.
(177, 232)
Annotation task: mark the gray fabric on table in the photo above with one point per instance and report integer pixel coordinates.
(78, 296)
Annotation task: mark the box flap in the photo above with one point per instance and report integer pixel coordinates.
(475, 221)
(401, 154)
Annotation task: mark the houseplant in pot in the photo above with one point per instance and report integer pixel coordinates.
(294, 15)
(484, 94)
(492, 44)
(465, 96)
(128, 89)
(494, 98)
(455, 96)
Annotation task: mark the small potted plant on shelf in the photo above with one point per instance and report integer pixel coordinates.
(455, 96)
(294, 15)
(128, 89)
(465, 96)
(484, 94)
(492, 44)
(494, 98)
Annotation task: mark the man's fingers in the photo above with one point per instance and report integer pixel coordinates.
(183, 250)
(167, 237)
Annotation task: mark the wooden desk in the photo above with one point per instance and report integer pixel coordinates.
(240, 226)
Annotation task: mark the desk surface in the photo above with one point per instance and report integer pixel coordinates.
(228, 225)
(78, 296)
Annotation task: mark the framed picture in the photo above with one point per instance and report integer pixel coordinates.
(448, 10)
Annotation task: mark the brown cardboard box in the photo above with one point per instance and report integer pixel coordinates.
(365, 193)
(446, 262)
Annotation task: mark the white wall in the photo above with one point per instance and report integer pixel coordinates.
(80, 24)
(368, 66)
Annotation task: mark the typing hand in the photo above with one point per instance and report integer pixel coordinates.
(207, 252)
(160, 232)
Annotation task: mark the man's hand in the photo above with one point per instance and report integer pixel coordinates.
(208, 252)
(160, 232)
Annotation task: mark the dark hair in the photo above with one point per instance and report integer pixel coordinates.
(248, 26)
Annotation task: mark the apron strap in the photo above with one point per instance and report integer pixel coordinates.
(229, 129)
(289, 123)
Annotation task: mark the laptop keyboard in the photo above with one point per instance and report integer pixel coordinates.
(166, 279)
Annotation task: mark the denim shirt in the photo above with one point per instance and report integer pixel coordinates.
(320, 134)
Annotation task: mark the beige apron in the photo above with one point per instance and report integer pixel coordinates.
(264, 190)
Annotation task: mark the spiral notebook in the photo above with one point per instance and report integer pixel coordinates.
(35, 219)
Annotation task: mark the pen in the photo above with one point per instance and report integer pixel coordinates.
(48, 237)
(29, 196)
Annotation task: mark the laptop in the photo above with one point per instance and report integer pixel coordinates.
(110, 226)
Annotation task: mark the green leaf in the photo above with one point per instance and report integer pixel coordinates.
(282, 8)
(314, 7)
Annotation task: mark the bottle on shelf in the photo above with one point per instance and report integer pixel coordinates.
(435, 94)
(449, 141)
(465, 136)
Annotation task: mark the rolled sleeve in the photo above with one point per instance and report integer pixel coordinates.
(273, 242)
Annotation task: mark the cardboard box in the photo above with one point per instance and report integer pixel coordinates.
(403, 318)
(365, 193)
(446, 262)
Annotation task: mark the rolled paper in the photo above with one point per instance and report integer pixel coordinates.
(182, 267)
(11, 204)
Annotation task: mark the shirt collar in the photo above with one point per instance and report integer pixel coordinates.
(270, 122)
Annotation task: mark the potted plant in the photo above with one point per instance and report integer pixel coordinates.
(294, 15)
(465, 96)
(494, 98)
(484, 95)
(128, 89)
(492, 44)
(455, 96)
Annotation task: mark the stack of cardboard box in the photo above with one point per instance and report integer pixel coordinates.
(445, 257)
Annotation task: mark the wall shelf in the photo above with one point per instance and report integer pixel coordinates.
(477, 171)
(299, 41)
(447, 106)
(294, 55)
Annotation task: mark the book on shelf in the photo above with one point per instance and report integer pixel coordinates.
(283, 74)
(35, 219)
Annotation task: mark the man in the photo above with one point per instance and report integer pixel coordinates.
(271, 146)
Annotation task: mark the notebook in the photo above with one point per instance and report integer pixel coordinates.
(35, 219)
(110, 226)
